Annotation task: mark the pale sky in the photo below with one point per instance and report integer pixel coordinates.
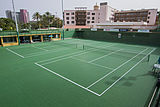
(54, 6)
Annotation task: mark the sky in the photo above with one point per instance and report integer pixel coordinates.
(55, 7)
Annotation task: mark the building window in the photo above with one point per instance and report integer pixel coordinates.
(72, 13)
(72, 22)
(72, 17)
(67, 13)
(88, 17)
(67, 22)
(93, 18)
(148, 17)
(93, 13)
(88, 22)
(67, 18)
(88, 13)
(147, 21)
(149, 13)
(92, 21)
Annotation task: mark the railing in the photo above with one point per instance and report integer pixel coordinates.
(7, 33)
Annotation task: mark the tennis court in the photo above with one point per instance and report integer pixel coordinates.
(77, 73)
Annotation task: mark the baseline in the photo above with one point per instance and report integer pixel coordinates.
(68, 79)
(126, 72)
(15, 53)
(116, 68)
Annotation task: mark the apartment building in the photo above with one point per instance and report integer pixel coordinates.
(22, 16)
(10, 14)
(144, 15)
(83, 17)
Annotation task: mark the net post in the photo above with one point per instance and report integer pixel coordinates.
(83, 46)
(148, 58)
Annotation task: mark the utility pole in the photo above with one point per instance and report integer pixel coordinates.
(63, 19)
(15, 17)
(56, 19)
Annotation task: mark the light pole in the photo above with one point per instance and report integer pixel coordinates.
(56, 19)
(63, 19)
(15, 17)
(159, 21)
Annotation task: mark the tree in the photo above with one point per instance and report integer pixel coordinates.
(37, 17)
(7, 24)
(47, 20)
(58, 22)
(25, 26)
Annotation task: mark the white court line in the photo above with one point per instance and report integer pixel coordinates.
(115, 69)
(87, 51)
(149, 105)
(45, 53)
(15, 53)
(126, 73)
(104, 56)
(40, 48)
(66, 55)
(48, 50)
(135, 46)
(83, 52)
(67, 79)
(58, 57)
(93, 64)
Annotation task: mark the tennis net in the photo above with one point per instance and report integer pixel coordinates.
(65, 44)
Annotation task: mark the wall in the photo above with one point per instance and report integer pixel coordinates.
(151, 39)
(152, 19)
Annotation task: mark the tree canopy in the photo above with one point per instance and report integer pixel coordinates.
(7, 24)
(46, 20)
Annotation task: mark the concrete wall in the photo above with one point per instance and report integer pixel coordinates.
(152, 17)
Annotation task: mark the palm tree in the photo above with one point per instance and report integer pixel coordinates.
(48, 14)
(48, 18)
(59, 22)
(37, 16)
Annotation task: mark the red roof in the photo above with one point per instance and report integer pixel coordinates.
(73, 27)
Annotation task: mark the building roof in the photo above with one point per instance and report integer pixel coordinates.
(128, 11)
(121, 23)
(74, 27)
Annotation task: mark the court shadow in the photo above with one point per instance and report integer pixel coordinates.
(108, 82)
(149, 73)
(126, 81)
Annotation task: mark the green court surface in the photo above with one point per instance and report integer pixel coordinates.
(77, 73)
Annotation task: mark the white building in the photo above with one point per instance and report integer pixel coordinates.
(83, 17)
(143, 15)
(124, 25)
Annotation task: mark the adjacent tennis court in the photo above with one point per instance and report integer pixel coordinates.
(77, 73)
